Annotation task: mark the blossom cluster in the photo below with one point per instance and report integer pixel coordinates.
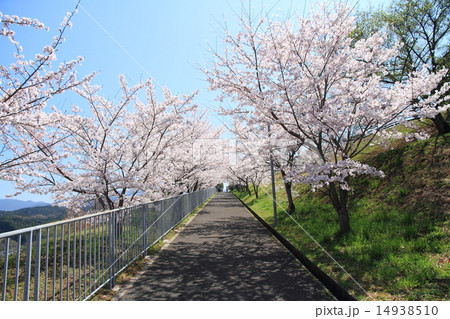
(115, 153)
(26, 87)
(321, 175)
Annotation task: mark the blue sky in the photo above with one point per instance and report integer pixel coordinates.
(166, 39)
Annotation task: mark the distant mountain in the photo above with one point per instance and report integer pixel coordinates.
(30, 216)
(15, 204)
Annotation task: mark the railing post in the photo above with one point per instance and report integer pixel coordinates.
(47, 247)
(16, 280)
(112, 244)
(26, 291)
(144, 210)
(37, 265)
(5, 270)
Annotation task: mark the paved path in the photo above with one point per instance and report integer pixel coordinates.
(225, 254)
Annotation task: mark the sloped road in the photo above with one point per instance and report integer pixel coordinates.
(225, 254)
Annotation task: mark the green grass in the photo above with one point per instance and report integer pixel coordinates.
(398, 248)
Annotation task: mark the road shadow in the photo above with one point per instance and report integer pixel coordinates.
(225, 254)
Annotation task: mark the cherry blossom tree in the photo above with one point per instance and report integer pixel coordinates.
(265, 143)
(287, 153)
(248, 172)
(103, 154)
(310, 78)
(422, 28)
(250, 168)
(196, 160)
(26, 87)
(118, 153)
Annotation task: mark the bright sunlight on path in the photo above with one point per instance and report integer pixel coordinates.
(225, 254)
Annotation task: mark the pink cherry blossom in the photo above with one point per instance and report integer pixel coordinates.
(307, 76)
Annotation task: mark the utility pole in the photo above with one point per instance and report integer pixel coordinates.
(272, 173)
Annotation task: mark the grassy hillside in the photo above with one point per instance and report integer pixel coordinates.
(27, 217)
(398, 248)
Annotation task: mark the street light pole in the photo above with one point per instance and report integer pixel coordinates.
(272, 173)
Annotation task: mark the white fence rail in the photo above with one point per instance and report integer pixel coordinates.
(72, 259)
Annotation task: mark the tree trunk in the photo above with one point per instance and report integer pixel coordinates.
(247, 187)
(441, 124)
(291, 205)
(288, 188)
(255, 189)
(344, 220)
(196, 186)
(339, 199)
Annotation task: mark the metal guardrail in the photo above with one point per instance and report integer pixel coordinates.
(73, 259)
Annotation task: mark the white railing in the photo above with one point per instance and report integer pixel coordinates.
(73, 259)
